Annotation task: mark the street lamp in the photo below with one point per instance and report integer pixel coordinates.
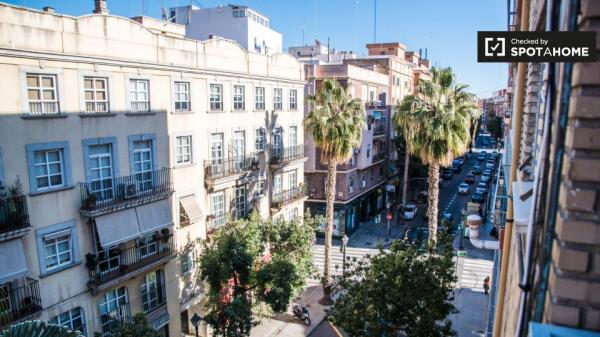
(196, 321)
(344, 243)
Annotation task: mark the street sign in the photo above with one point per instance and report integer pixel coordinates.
(389, 216)
(461, 253)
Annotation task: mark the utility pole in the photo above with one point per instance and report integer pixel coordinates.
(375, 21)
(328, 49)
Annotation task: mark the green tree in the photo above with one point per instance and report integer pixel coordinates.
(254, 264)
(335, 123)
(495, 125)
(137, 327)
(401, 290)
(38, 329)
(436, 125)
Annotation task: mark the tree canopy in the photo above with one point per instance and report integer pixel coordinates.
(254, 264)
(137, 327)
(400, 290)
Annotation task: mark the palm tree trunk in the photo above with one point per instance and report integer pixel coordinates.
(474, 132)
(330, 197)
(405, 179)
(432, 208)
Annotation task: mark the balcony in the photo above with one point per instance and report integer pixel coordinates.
(379, 156)
(116, 265)
(286, 197)
(378, 130)
(20, 303)
(217, 171)
(14, 218)
(281, 157)
(110, 195)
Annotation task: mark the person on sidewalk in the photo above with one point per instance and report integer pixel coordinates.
(486, 285)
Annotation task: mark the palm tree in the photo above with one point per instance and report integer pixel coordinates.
(335, 125)
(38, 329)
(475, 115)
(436, 124)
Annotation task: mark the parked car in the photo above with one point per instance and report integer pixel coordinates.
(477, 197)
(446, 175)
(476, 170)
(460, 160)
(485, 178)
(469, 179)
(482, 185)
(447, 217)
(481, 156)
(464, 188)
(490, 166)
(410, 211)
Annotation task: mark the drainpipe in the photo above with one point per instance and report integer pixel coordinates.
(508, 232)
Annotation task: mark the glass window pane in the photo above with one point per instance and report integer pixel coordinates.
(56, 180)
(47, 82)
(42, 182)
(87, 83)
(32, 81)
(48, 94)
(33, 94)
(89, 95)
(101, 95)
(100, 84)
(54, 168)
(53, 156)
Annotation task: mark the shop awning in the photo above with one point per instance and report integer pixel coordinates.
(117, 227)
(154, 216)
(13, 260)
(191, 207)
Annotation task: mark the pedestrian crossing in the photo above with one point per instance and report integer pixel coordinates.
(472, 272)
(337, 257)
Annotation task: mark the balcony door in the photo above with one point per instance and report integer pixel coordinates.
(293, 140)
(238, 149)
(101, 171)
(277, 143)
(216, 152)
(142, 164)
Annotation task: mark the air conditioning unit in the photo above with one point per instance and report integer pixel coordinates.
(130, 190)
(363, 183)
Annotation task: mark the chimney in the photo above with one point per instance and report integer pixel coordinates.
(48, 9)
(100, 7)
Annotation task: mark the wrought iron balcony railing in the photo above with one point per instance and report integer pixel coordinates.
(116, 262)
(220, 168)
(13, 213)
(20, 302)
(284, 155)
(287, 196)
(114, 191)
(379, 156)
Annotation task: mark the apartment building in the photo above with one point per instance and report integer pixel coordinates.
(251, 29)
(360, 183)
(122, 144)
(549, 282)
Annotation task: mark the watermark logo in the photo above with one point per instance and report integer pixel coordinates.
(536, 46)
(495, 46)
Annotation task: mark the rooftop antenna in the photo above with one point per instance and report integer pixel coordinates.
(375, 21)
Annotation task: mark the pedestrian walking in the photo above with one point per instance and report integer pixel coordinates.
(486, 285)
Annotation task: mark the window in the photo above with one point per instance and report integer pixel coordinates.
(216, 148)
(188, 261)
(293, 213)
(363, 179)
(277, 143)
(238, 148)
(182, 96)
(239, 101)
(218, 209)
(292, 180)
(183, 150)
(259, 98)
(350, 185)
(368, 151)
(113, 308)
(138, 95)
(260, 188)
(95, 90)
(293, 141)
(147, 245)
(239, 12)
(73, 320)
(153, 290)
(240, 202)
(293, 99)
(57, 250)
(49, 169)
(277, 98)
(142, 164)
(42, 94)
(216, 97)
(277, 184)
(260, 139)
(101, 171)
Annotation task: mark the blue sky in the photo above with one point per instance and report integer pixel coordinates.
(447, 28)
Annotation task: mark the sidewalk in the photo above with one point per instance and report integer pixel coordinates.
(287, 325)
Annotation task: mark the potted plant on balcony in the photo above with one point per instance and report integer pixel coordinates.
(91, 261)
(90, 201)
(123, 268)
(166, 234)
(254, 165)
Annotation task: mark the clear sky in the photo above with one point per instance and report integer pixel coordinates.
(447, 28)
